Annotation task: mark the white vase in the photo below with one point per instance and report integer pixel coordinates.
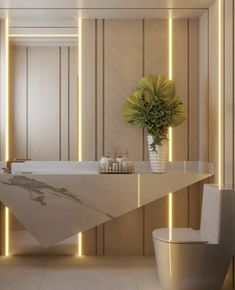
(158, 158)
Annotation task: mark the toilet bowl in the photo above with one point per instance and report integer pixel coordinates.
(190, 259)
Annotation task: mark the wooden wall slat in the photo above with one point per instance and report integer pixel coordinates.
(88, 111)
(229, 96)
(18, 58)
(123, 51)
(123, 236)
(43, 103)
(213, 86)
(195, 194)
(203, 88)
(100, 113)
(122, 70)
(88, 89)
(73, 103)
(156, 62)
(180, 133)
(64, 110)
(229, 109)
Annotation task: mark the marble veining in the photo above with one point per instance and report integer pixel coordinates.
(39, 190)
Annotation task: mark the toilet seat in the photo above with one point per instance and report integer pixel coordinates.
(179, 236)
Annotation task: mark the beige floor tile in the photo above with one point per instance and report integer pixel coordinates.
(21, 277)
(88, 277)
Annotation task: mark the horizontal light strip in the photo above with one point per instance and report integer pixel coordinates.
(43, 35)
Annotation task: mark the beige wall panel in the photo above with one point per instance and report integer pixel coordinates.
(89, 241)
(213, 86)
(228, 96)
(43, 103)
(3, 89)
(23, 242)
(180, 77)
(155, 53)
(124, 236)
(203, 88)
(100, 88)
(64, 102)
(88, 106)
(180, 134)
(123, 67)
(73, 103)
(155, 216)
(88, 90)
(156, 62)
(100, 123)
(193, 99)
(193, 115)
(18, 96)
(156, 47)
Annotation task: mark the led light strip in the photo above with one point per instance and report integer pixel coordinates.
(42, 35)
(7, 127)
(220, 178)
(80, 112)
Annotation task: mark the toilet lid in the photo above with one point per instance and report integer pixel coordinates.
(179, 236)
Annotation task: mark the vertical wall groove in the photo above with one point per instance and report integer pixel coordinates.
(60, 103)
(208, 107)
(69, 103)
(143, 74)
(27, 103)
(143, 157)
(233, 127)
(188, 112)
(103, 88)
(96, 119)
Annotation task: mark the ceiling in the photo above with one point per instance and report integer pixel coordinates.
(90, 4)
(65, 13)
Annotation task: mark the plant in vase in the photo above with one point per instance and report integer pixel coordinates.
(155, 107)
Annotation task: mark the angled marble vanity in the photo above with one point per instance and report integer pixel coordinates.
(57, 199)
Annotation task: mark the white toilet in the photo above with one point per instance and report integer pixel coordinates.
(190, 259)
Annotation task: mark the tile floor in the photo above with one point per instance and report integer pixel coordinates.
(78, 273)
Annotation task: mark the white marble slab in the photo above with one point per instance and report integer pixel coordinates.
(56, 200)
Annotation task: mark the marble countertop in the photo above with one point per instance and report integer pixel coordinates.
(57, 199)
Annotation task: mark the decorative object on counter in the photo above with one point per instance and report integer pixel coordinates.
(155, 107)
(119, 166)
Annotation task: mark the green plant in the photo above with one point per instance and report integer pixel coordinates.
(155, 107)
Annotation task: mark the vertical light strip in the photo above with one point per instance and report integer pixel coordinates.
(7, 90)
(6, 126)
(220, 179)
(79, 112)
(79, 244)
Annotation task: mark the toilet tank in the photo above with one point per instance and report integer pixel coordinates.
(218, 215)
